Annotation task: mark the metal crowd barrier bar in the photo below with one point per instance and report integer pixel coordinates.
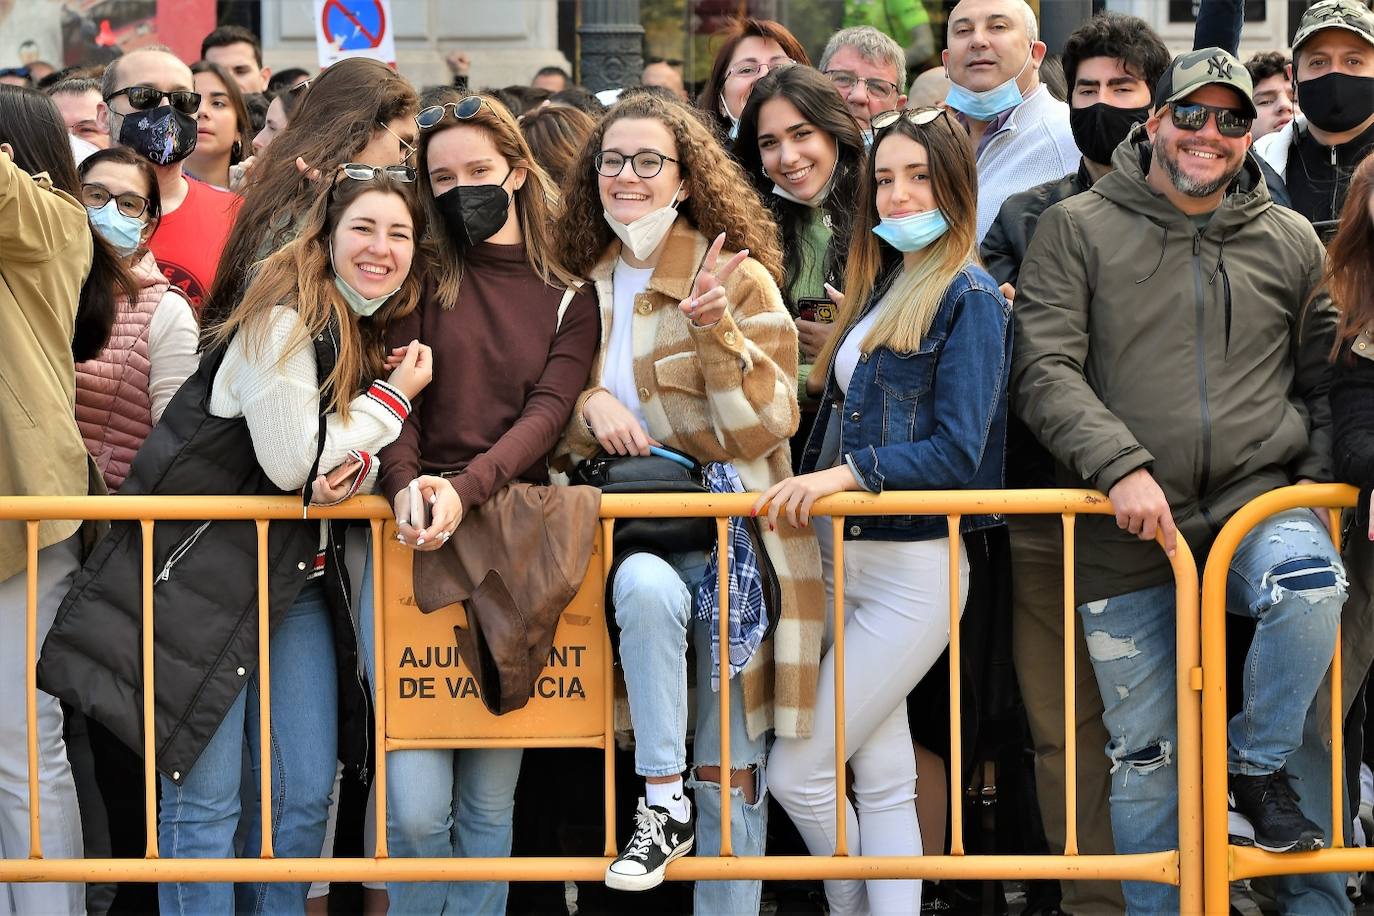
(1224, 863)
(1181, 866)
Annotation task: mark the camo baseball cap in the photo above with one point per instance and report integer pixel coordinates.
(1351, 15)
(1190, 72)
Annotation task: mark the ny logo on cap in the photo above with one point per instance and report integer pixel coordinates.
(1219, 66)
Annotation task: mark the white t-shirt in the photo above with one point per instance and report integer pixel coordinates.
(618, 369)
(847, 354)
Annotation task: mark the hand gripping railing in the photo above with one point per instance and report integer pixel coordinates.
(1181, 866)
(1223, 862)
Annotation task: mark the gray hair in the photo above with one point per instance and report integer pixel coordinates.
(872, 45)
(1027, 17)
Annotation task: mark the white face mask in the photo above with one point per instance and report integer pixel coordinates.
(643, 236)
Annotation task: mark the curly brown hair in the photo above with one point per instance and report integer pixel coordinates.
(722, 197)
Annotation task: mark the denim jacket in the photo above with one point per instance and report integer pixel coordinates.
(935, 419)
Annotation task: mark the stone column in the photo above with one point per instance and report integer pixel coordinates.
(612, 44)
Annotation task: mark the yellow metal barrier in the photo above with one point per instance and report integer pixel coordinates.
(1224, 863)
(592, 726)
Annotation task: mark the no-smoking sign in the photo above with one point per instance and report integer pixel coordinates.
(354, 28)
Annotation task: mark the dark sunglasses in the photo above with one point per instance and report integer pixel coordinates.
(142, 98)
(463, 110)
(359, 172)
(1193, 116)
(917, 116)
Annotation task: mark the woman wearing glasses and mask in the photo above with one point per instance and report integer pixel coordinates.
(915, 391)
(508, 336)
(805, 154)
(697, 353)
(291, 398)
(748, 50)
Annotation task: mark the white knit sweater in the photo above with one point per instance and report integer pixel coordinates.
(1034, 146)
(281, 402)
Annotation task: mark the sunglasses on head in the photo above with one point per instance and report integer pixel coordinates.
(359, 172)
(142, 98)
(1193, 116)
(463, 110)
(917, 116)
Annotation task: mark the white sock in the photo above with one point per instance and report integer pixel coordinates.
(668, 796)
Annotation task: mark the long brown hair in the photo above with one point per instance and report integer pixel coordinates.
(722, 198)
(1350, 259)
(555, 134)
(916, 293)
(341, 110)
(536, 202)
(729, 37)
(300, 276)
(243, 125)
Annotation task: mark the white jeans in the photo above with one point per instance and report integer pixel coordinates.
(896, 625)
(61, 818)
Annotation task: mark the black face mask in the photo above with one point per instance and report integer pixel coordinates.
(1100, 128)
(475, 212)
(161, 135)
(1338, 101)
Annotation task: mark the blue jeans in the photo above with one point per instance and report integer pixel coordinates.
(432, 813)
(653, 609)
(1287, 575)
(199, 817)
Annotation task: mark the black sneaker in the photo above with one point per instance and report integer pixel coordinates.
(1270, 805)
(658, 840)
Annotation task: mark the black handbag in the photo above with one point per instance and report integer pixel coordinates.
(670, 471)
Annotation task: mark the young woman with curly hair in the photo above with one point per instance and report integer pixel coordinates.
(697, 353)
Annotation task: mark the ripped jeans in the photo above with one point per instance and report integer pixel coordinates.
(1288, 576)
(653, 608)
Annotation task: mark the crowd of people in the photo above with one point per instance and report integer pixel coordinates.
(1106, 266)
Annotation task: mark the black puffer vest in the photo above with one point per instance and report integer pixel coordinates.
(205, 595)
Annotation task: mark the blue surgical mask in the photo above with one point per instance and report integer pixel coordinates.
(124, 233)
(360, 305)
(914, 232)
(868, 139)
(986, 105)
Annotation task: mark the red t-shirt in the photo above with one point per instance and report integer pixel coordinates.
(188, 241)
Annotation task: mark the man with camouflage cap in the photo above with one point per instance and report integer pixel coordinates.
(1167, 354)
(1333, 72)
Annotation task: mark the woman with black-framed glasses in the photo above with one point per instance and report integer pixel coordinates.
(292, 398)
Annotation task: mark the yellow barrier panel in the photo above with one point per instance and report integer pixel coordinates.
(588, 721)
(1224, 863)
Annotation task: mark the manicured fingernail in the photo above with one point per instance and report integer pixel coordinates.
(772, 527)
(420, 541)
(753, 512)
(433, 499)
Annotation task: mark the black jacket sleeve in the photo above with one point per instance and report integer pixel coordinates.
(1218, 24)
(1352, 414)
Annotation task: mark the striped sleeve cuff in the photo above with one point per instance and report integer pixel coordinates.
(390, 398)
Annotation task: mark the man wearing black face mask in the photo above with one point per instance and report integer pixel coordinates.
(1333, 57)
(149, 105)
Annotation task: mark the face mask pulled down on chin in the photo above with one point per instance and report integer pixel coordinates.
(643, 236)
(988, 104)
(161, 135)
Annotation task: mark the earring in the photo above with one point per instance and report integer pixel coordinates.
(236, 150)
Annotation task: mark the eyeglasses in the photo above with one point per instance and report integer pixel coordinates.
(142, 98)
(405, 144)
(463, 110)
(1193, 116)
(359, 172)
(751, 70)
(846, 80)
(916, 116)
(130, 204)
(645, 163)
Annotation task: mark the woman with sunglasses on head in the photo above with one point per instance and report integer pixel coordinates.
(699, 354)
(223, 129)
(749, 49)
(291, 398)
(497, 288)
(915, 391)
(805, 154)
(358, 110)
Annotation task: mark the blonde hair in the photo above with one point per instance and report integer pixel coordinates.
(300, 276)
(536, 201)
(913, 296)
(722, 197)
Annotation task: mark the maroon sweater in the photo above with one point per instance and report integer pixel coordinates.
(504, 383)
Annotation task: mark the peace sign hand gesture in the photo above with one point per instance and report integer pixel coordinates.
(706, 305)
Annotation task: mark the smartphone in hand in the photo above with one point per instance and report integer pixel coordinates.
(819, 309)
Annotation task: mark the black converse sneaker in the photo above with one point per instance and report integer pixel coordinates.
(1270, 806)
(658, 840)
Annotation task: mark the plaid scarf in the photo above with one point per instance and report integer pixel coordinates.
(748, 616)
